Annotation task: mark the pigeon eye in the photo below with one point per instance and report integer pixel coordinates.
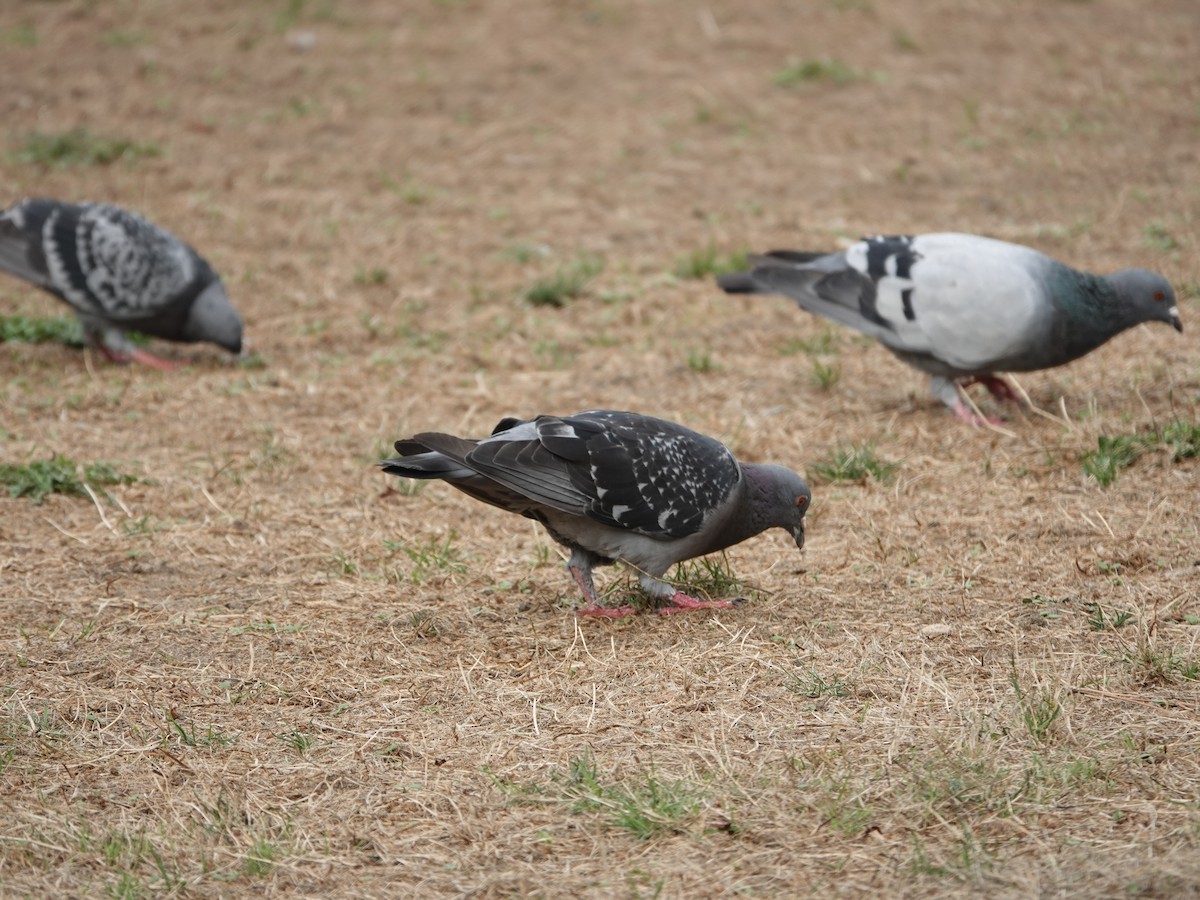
(1158, 297)
(801, 502)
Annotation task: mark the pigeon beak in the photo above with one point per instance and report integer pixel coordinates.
(798, 534)
(1173, 312)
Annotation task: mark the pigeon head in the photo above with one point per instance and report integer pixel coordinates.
(212, 318)
(780, 499)
(1147, 296)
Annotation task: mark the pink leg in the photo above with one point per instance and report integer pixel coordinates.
(140, 356)
(593, 607)
(997, 387)
(683, 603)
(156, 362)
(964, 413)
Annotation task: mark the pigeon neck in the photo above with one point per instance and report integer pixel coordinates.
(1090, 311)
(753, 510)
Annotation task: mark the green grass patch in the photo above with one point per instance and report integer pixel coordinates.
(825, 70)
(32, 330)
(854, 464)
(708, 261)
(1112, 454)
(81, 147)
(712, 578)
(566, 284)
(57, 475)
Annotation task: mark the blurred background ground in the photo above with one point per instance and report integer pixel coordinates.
(258, 668)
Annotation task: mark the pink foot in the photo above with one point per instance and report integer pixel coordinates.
(683, 603)
(156, 362)
(140, 356)
(583, 578)
(964, 413)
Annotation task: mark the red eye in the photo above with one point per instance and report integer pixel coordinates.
(800, 501)
(1158, 297)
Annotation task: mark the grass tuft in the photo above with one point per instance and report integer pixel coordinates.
(824, 70)
(566, 284)
(58, 475)
(854, 464)
(81, 147)
(1112, 454)
(708, 261)
(32, 330)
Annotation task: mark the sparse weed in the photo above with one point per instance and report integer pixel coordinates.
(711, 577)
(1112, 454)
(646, 808)
(709, 261)
(566, 284)
(813, 685)
(260, 858)
(190, 737)
(827, 70)
(343, 564)
(701, 361)
(1182, 439)
(1098, 622)
(30, 330)
(373, 276)
(825, 376)
(80, 147)
(854, 464)
(435, 555)
(1039, 711)
(58, 475)
(1156, 236)
(1045, 607)
(298, 740)
(24, 35)
(823, 344)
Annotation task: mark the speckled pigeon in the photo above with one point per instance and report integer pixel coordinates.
(963, 307)
(119, 273)
(616, 486)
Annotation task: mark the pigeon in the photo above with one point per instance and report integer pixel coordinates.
(963, 307)
(119, 273)
(615, 486)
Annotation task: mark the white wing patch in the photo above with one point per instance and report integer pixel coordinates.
(972, 300)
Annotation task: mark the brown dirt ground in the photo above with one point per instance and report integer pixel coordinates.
(222, 681)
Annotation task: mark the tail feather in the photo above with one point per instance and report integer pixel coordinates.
(820, 283)
(738, 283)
(15, 256)
(430, 455)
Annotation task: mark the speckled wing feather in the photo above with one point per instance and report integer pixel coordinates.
(621, 469)
(103, 260)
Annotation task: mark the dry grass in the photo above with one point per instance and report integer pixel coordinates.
(259, 669)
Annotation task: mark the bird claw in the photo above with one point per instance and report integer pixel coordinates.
(122, 357)
(683, 603)
(966, 415)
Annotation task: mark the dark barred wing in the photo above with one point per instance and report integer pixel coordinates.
(129, 268)
(622, 469)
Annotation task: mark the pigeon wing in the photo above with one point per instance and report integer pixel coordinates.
(21, 244)
(644, 474)
(966, 300)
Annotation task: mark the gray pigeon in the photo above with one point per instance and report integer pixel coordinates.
(963, 307)
(119, 273)
(616, 486)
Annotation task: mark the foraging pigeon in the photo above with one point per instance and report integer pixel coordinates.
(962, 307)
(616, 486)
(118, 272)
